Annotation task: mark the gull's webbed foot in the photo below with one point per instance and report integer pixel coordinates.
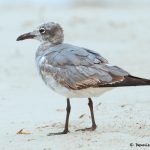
(58, 133)
(88, 129)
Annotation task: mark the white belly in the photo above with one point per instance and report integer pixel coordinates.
(69, 93)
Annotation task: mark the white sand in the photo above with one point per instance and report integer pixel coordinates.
(122, 115)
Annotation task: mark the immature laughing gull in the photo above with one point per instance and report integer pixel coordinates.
(75, 71)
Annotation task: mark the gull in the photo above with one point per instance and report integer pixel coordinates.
(75, 72)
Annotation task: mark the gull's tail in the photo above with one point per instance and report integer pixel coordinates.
(133, 81)
(129, 81)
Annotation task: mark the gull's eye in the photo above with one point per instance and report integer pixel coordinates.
(42, 30)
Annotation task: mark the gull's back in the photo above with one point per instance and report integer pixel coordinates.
(66, 54)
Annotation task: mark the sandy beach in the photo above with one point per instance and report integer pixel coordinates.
(120, 34)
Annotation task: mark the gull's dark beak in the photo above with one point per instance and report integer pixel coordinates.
(25, 36)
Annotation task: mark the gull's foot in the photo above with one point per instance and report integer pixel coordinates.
(88, 129)
(59, 133)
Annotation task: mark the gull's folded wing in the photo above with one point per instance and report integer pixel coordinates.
(78, 68)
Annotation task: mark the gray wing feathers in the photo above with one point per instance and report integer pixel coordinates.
(78, 68)
(82, 77)
(74, 56)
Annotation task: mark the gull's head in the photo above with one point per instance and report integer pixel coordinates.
(48, 32)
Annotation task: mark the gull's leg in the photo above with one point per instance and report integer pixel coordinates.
(92, 114)
(68, 109)
(92, 118)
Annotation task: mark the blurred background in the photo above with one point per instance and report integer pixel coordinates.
(117, 29)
